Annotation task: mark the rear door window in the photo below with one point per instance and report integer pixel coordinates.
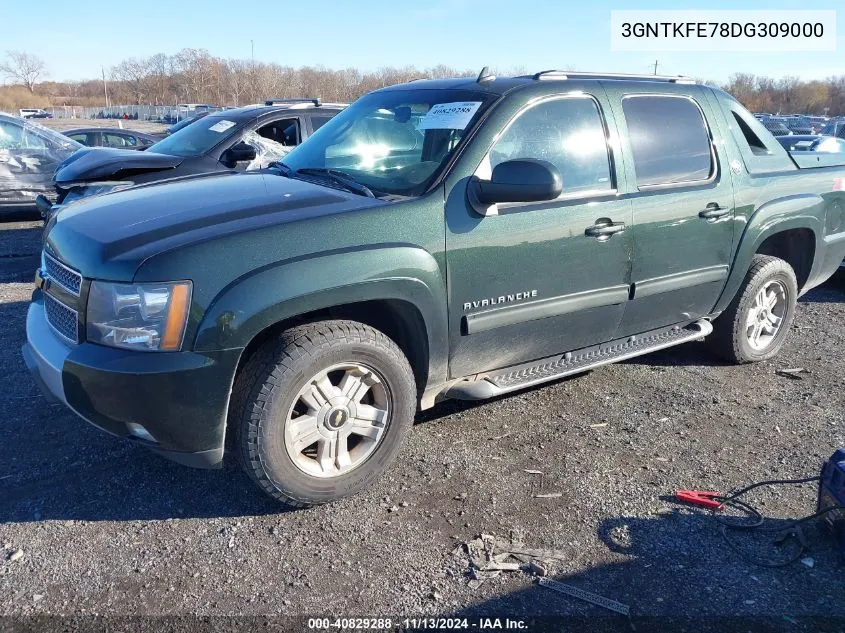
(110, 139)
(669, 140)
(319, 121)
(83, 137)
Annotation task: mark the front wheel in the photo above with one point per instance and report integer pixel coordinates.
(323, 411)
(755, 325)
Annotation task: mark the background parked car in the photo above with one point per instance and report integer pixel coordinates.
(29, 154)
(776, 125)
(184, 122)
(240, 139)
(799, 125)
(834, 127)
(34, 113)
(817, 123)
(110, 137)
(812, 143)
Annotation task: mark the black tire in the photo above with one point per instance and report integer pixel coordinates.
(729, 339)
(268, 384)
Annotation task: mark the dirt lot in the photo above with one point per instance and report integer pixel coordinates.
(107, 528)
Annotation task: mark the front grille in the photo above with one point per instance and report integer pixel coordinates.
(61, 318)
(66, 277)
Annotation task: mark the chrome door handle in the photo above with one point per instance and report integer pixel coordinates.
(713, 211)
(604, 229)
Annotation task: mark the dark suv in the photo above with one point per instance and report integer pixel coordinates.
(240, 139)
(452, 238)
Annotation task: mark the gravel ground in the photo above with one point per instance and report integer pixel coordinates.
(108, 528)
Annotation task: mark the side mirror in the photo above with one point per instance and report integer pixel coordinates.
(519, 180)
(238, 153)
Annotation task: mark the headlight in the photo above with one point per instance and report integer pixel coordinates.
(86, 190)
(149, 316)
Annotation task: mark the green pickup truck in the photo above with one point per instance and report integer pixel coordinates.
(459, 238)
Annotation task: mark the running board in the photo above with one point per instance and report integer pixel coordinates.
(501, 381)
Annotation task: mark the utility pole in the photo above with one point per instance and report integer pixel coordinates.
(105, 86)
(655, 66)
(252, 71)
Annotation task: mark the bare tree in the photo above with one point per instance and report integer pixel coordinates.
(24, 67)
(134, 74)
(196, 68)
(237, 79)
(160, 79)
(196, 75)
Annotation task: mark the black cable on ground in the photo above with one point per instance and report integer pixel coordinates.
(732, 500)
(790, 530)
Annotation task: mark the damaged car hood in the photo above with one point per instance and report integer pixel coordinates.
(95, 164)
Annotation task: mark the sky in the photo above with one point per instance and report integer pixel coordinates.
(76, 37)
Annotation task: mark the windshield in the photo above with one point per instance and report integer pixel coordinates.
(16, 133)
(393, 142)
(196, 138)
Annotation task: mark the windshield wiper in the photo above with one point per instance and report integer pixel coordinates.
(335, 176)
(285, 169)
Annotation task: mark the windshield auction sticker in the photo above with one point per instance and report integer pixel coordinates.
(728, 30)
(449, 116)
(222, 126)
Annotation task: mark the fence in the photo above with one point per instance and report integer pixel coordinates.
(164, 114)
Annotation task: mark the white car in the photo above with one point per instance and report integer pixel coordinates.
(37, 113)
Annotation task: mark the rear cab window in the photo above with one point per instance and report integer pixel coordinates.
(760, 151)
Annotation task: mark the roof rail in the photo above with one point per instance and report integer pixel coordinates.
(566, 74)
(271, 102)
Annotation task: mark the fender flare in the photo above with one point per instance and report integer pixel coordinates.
(802, 211)
(287, 289)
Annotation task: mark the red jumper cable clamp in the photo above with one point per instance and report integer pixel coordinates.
(703, 498)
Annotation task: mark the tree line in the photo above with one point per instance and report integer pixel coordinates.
(195, 76)
(788, 95)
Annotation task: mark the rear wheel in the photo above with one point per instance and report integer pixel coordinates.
(756, 323)
(323, 411)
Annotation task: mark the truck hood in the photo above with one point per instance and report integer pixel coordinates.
(92, 164)
(110, 236)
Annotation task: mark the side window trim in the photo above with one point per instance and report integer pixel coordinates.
(715, 166)
(301, 124)
(482, 170)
